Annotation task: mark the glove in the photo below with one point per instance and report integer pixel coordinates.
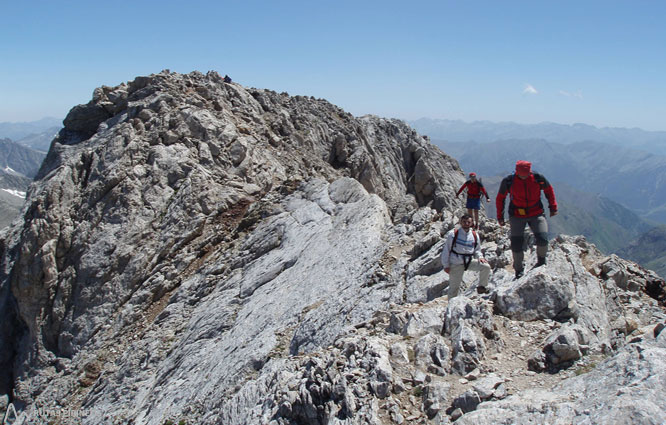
(500, 220)
(553, 212)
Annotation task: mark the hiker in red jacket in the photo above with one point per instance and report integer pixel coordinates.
(474, 191)
(525, 207)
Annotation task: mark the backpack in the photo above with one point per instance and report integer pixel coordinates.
(481, 187)
(538, 177)
(455, 238)
(541, 181)
(466, 261)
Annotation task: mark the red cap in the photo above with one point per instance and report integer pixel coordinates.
(472, 174)
(523, 168)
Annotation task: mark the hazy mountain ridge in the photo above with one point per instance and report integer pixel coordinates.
(10, 206)
(200, 252)
(649, 250)
(19, 130)
(18, 159)
(40, 141)
(18, 166)
(457, 131)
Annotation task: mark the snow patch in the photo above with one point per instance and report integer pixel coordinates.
(15, 193)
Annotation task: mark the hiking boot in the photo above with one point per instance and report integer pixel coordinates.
(481, 290)
(519, 274)
(541, 261)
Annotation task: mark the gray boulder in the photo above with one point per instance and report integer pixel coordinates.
(536, 296)
(435, 398)
(467, 322)
(421, 322)
(567, 344)
(432, 354)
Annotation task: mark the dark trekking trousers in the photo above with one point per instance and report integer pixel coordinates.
(539, 227)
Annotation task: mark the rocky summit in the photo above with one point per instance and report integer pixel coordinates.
(197, 252)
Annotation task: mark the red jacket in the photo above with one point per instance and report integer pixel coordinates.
(525, 196)
(474, 190)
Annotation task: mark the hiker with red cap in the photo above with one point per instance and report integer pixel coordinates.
(474, 191)
(526, 208)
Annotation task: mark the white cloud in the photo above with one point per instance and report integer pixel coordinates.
(529, 89)
(577, 94)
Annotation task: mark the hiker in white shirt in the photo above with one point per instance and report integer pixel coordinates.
(463, 252)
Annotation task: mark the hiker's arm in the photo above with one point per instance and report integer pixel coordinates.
(446, 251)
(499, 201)
(477, 249)
(483, 190)
(461, 189)
(552, 203)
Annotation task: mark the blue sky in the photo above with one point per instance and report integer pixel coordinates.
(600, 63)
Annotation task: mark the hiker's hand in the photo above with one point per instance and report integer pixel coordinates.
(487, 199)
(553, 212)
(448, 269)
(500, 221)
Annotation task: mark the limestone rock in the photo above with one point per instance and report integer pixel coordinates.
(427, 320)
(536, 296)
(468, 401)
(431, 353)
(466, 322)
(487, 386)
(435, 398)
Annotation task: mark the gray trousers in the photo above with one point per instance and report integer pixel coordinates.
(539, 227)
(456, 274)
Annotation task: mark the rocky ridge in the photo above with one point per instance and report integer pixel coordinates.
(199, 252)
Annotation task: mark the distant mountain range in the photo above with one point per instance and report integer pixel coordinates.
(23, 146)
(40, 141)
(16, 159)
(18, 166)
(487, 132)
(18, 130)
(648, 250)
(10, 206)
(36, 135)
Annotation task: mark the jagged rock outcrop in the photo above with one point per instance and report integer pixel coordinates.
(202, 252)
(628, 388)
